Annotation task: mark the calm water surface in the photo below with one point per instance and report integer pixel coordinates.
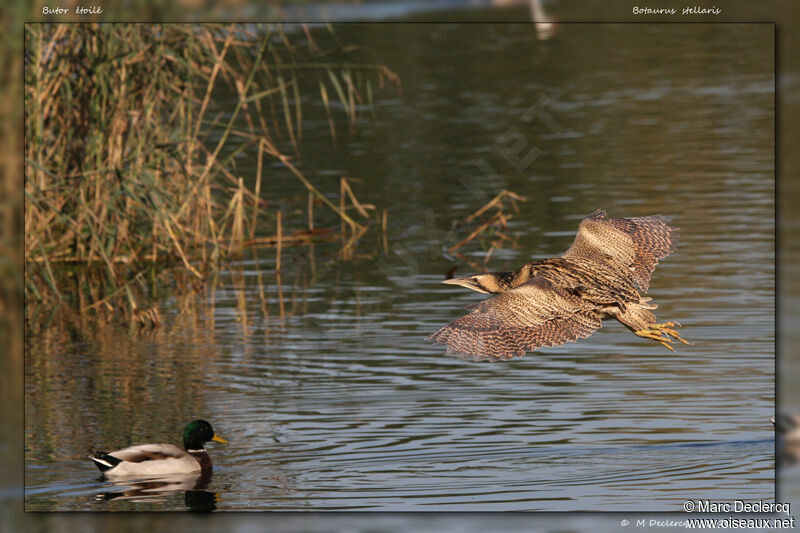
(341, 404)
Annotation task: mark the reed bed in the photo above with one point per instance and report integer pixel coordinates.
(131, 146)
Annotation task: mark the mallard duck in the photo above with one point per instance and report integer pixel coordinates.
(161, 459)
(787, 434)
(788, 427)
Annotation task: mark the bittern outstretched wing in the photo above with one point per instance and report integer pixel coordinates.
(634, 243)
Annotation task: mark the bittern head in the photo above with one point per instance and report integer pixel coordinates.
(484, 283)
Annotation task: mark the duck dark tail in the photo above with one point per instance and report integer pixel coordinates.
(104, 461)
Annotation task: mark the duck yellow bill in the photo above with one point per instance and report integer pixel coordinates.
(217, 438)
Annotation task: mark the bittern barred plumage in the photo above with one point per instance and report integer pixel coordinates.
(561, 299)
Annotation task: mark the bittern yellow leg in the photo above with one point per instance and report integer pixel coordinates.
(666, 327)
(656, 335)
(662, 334)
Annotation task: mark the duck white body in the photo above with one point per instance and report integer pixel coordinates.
(154, 460)
(147, 460)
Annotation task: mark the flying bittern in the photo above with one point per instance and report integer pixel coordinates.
(561, 299)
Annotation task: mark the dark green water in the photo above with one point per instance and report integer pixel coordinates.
(343, 405)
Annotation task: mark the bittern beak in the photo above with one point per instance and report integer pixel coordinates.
(217, 438)
(469, 282)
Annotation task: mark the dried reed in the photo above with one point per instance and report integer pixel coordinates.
(129, 167)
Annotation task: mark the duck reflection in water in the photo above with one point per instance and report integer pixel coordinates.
(160, 488)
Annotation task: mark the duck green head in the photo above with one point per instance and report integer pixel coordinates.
(197, 433)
